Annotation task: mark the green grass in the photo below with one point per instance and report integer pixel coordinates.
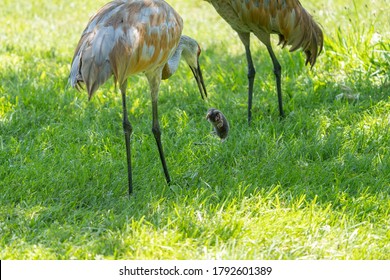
(313, 186)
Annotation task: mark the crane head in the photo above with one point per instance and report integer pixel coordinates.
(191, 54)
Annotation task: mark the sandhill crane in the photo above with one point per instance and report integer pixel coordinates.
(129, 37)
(287, 18)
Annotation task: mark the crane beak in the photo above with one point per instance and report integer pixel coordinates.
(199, 80)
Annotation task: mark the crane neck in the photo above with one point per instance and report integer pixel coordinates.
(173, 63)
(187, 49)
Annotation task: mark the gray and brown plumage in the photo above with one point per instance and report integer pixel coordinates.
(286, 18)
(220, 123)
(125, 38)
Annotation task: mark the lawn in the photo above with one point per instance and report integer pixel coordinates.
(315, 185)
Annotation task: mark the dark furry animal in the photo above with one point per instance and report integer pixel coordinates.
(219, 122)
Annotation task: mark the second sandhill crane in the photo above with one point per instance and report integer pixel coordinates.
(286, 18)
(125, 38)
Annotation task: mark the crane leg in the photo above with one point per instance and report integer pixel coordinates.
(155, 84)
(245, 39)
(128, 129)
(157, 135)
(251, 79)
(277, 72)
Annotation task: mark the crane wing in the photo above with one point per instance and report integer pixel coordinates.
(287, 18)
